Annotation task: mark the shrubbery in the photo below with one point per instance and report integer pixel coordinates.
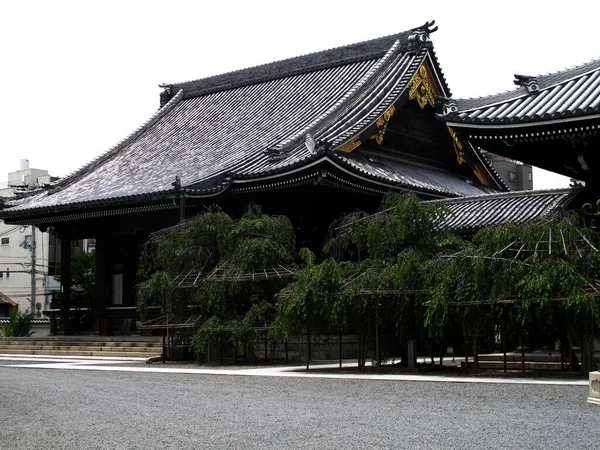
(19, 324)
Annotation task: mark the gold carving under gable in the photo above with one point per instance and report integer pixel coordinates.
(350, 145)
(385, 118)
(423, 87)
(482, 176)
(458, 147)
(382, 123)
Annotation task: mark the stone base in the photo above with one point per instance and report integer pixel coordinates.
(594, 397)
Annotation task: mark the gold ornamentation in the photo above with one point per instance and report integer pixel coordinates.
(350, 145)
(482, 176)
(382, 123)
(423, 87)
(458, 147)
(379, 135)
(385, 118)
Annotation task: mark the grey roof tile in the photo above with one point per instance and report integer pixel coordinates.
(569, 93)
(469, 214)
(408, 175)
(221, 128)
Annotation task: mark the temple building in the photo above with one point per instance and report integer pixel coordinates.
(549, 121)
(311, 137)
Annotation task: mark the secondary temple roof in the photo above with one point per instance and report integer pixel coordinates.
(467, 215)
(269, 120)
(570, 93)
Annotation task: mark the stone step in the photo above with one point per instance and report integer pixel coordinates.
(535, 357)
(514, 365)
(18, 351)
(72, 343)
(81, 338)
(95, 348)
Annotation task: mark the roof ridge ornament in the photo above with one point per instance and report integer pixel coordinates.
(165, 95)
(588, 210)
(176, 184)
(310, 143)
(445, 106)
(314, 147)
(530, 83)
(273, 153)
(420, 35)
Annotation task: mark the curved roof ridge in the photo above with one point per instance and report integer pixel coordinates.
(360, 51)
(489, 167)
(292, 58)
(438, 69)
(352, 93)
(501, 97)
(570, 69)
(115, 148)
(512, 194)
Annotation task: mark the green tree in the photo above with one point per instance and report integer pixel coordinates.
(534, 281)
(231, 257)
(83, 273)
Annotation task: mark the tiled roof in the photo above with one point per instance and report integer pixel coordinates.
(412, 176)
(469, 214)
(41, 321)
(570, 93)
(6, 300)
(312, 62)
(211, 132)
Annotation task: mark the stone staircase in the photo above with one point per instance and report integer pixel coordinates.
(538, 360)
(84, 346)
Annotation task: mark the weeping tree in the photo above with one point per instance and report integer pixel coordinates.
(238, 299)
(374, 277)
(195, 245)
(399, 273)
(534, 282)
(396, 245)
(228, 259)
(309, 304)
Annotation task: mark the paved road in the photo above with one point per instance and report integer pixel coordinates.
(41, 408)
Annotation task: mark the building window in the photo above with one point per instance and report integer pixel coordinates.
(5, 241)
(7, 272)
(529, 176)
(512, 176)
(1, 274)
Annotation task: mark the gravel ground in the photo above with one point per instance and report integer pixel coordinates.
(86, 409)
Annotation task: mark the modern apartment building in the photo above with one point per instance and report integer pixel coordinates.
(516, 175)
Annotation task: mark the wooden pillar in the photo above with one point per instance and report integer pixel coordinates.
(502, 331)
(182, 204)
(65, 281)
(341, 334)
(101, 292)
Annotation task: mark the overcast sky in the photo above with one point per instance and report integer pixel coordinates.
(79, 76)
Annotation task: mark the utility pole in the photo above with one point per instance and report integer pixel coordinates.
(33, 287)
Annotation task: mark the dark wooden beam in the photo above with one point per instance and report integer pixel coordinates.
(65, 281)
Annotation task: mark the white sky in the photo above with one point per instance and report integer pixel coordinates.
(79, 76)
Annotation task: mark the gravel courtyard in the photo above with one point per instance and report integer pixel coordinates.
(43, 409)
